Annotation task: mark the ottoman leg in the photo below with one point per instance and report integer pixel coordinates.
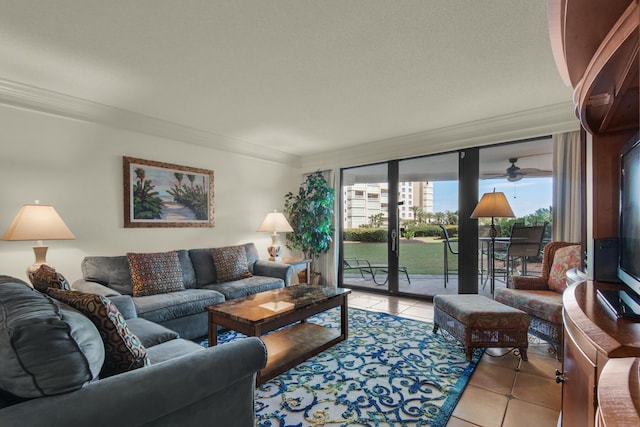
(435, 328)
(523, 353)
(469, 352)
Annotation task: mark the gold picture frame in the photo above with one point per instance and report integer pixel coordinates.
(158, 194)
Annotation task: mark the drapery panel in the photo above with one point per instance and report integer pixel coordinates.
(567, 200)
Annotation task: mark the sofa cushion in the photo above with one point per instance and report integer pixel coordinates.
(123, 350)
(45, 276)
(231, 263)
(46, 348)
(546, 305)
(202, 261)
(163, 307)
(564, 260)
(188, 273)
(155, 273)
(252, 255)
(111, 271)
(244, 287)
(150, 333)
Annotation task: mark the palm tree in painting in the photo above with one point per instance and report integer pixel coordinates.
(140, 175)
(193, 197)
(146, 203)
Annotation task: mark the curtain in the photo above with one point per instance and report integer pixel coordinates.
(566, 202)
(328, 261)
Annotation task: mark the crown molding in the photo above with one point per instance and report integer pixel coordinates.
(511, 127)
(532, 123)
(33, 98)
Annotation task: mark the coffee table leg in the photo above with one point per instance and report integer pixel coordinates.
(213, 332)
(344, 318)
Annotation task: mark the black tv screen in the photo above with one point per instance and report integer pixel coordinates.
(629, 234)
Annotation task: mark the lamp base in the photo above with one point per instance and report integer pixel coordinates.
(41, 258)
(275, 252)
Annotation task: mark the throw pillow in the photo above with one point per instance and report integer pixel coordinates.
(155, 273)
(123, 350)
(45, 276)
(564, 259)
(231, 263)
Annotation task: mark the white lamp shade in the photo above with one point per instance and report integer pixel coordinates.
(275, 222)
(38, 222)
(493, 205)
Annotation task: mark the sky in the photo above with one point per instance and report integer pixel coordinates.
(525, 196)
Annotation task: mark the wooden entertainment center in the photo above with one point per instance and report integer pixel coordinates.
(595, 45)
(593, 336)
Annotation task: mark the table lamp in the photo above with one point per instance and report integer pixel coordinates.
(38, 222)
(493, 205)
(275, 222)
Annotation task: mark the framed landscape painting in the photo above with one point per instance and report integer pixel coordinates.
(160, 194)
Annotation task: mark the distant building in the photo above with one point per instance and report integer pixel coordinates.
(361, 201)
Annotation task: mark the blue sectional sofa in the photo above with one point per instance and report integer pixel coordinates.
(53, 358)
(183, 310)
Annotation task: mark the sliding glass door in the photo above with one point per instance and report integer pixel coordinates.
(365, 227)
(391, 235)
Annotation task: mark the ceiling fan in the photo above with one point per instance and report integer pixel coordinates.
(514, 173)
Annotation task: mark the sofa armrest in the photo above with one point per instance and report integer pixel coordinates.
(90, 287)
(215, 386)
(278, 270)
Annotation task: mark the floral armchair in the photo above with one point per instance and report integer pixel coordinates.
(541, 297)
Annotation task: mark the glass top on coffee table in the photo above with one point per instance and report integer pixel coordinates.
(276, 302)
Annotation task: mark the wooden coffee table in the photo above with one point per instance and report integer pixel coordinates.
(286, 308)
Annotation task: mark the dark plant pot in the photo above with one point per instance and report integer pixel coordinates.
(302, 276)
(314, 280)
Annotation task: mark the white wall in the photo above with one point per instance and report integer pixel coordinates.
(76, 166)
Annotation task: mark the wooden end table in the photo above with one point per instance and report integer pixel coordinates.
(286, 308)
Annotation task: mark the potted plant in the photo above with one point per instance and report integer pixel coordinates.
(310, 213)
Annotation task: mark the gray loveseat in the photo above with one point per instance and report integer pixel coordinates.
(52, 356)
(183, 311)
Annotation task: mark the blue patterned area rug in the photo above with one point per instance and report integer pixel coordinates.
(391, 371)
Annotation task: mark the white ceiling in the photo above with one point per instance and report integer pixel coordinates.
(298, 77)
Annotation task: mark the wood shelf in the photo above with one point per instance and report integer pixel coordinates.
(593, 336)
(290, 346)
(606, 97)
(596, 52)
(619, 393)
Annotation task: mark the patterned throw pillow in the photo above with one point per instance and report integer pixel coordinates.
(565, 259)
(155, 273)
(46, 277)
(231, 263)
(123, 350)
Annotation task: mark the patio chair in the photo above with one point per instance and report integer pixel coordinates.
(370, 271)
(525, 242)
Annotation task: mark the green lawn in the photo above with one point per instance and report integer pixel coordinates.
(420, 257)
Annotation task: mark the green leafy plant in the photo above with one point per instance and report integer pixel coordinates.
(310, 213)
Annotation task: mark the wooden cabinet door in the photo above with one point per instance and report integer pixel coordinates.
(579, 386)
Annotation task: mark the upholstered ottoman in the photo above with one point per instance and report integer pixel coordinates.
(478, 321)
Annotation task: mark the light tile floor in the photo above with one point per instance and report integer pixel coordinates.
(503, 391)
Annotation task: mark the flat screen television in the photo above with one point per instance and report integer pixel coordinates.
(629, 221)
